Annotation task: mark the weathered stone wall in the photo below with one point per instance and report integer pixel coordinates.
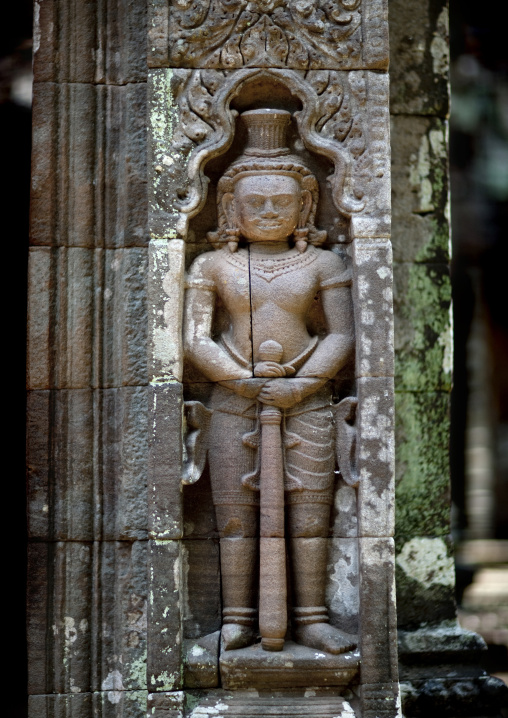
(87, 400)
(87, 376)
(421, 239)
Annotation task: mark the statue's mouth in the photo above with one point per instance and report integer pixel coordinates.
(269, 225)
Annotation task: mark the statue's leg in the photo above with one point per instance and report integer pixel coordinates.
(237, 510)
(312, 464)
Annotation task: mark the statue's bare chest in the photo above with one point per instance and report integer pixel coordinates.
(246, 283)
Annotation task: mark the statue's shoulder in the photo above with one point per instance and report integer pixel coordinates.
(329, 262)
(205, 266)
(332, 268)
(202, 273)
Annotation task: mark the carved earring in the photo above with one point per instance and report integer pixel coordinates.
(300, 236)
(233, 236)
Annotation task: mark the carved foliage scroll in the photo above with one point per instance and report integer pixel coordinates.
(299, 34)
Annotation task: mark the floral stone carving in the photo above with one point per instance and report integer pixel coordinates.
(300, 34)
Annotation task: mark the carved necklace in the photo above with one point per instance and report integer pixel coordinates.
(269, 268)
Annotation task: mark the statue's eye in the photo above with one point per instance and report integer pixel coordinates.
(283, 201)
(255, 202)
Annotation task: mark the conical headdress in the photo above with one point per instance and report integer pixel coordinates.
(267, 131)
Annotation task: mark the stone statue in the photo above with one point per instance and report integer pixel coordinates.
(271, 439)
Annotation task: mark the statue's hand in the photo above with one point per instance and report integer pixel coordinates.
(283, 393)
(286, 393)
(269, 369)
(248, 388)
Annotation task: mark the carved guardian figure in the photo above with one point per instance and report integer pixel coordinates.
(271, 441)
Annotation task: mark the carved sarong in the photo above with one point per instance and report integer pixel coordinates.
(308, 436)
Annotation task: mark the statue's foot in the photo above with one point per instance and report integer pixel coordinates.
(325, 638)
(235, 636)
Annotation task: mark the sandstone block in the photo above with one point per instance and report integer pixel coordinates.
(89, 42)
(121, 202)
(89, 155)
(120, 616)
(425, 575)
(92, 484)
(342, 596)
(357, 39)
(166, 704)
(420, 221)
(87, 313)
(92, 598)
(419, 38)
(372, 291)
(39, 339)
(201, 661)
(70, 705)
(61, 318)
(107, 704)
(120, 340)
(71, 487)
(164, 660)
(43, 197)
(38, 462)
(60, 602)
(254, 668)
(158, 46)
(375, 457)
(322, 702)
(165, 462)
(378, 627)
(201, 589)
(380, 700)
(423, 340)
(166, 295)
(121, 421)
(422, 463)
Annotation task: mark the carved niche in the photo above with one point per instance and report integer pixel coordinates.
(270, 298)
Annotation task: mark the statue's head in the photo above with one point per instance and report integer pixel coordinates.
(267, 194)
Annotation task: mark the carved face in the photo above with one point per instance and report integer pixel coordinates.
(267, 207)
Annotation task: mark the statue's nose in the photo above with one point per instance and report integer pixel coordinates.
(268, 209)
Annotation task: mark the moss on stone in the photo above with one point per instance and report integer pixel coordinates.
(422, 297)
(421, 464)
(437, 248)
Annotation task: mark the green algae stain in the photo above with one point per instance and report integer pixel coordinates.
(437, 248)
(422, 327)
(422, 506)
(137, 671)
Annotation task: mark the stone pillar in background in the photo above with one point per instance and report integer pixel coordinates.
(87, 377)
(89, 400)
(437, 658)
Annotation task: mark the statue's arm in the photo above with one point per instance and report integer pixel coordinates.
(199, 347)
(334, 350)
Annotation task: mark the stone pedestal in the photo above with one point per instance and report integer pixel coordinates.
(294, 667)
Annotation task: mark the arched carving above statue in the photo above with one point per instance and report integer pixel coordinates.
(333, 123)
